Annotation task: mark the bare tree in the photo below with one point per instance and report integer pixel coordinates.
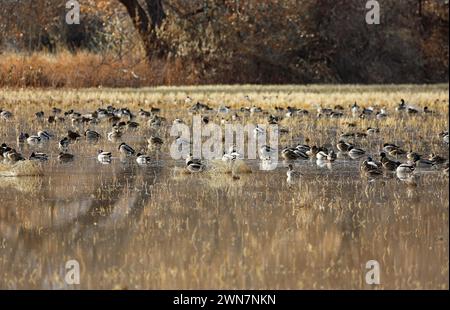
(147, 15)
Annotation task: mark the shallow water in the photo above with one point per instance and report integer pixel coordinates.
(154, 227)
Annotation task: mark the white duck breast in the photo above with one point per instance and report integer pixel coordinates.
(34, 140)
(405, 169)
(267, 152)
(104, 157)
(321, 155)
(143, 159)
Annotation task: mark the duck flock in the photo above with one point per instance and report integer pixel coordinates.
(77, 128)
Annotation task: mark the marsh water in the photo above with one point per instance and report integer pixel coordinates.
(158, 227)
(133, 227)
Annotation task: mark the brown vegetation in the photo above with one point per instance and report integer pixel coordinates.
(209, 42)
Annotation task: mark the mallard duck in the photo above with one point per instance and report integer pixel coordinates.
(125, 149)
(388, 164)
(370, 167)
(104, 157)
(92, 135)
(142, 159)
(38, 156)
(65, 157)
(194, 165)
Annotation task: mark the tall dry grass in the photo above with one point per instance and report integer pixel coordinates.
(85, 69)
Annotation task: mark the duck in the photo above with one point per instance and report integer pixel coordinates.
(388, 164)
(232, 155)
(382, 114)
(370, 167)
(413, 156)
(22, 138)
(5, 115)
(356, 153)
(12, 156)
(405, 169)
(331, 157)
(371, 130)
(104, 157)
(293, 154)
(132, 125)
(144, 114)
(65, 157)
(34, 140)
(355, 109)
(155, 141)
(142, 159)
(423, 163)
(125, 149)
(194, 165)
(401, 106)
(266, 152)
(92, 135)
(344, 146)
(397, 152)
(292, 175)
(73, 136)
(114, 135)
(64, 144)
(321, 155)
(223, 110)
(258, 131)
(39, 115)
(312, 152)
(387, 147)
(38, 156)
(438, 160)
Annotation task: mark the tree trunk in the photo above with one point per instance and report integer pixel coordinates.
(147, 15)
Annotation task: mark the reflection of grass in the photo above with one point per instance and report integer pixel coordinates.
(21, 169)
(219, 229)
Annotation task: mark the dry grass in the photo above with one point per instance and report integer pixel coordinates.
(85, 69)
(157, 227)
